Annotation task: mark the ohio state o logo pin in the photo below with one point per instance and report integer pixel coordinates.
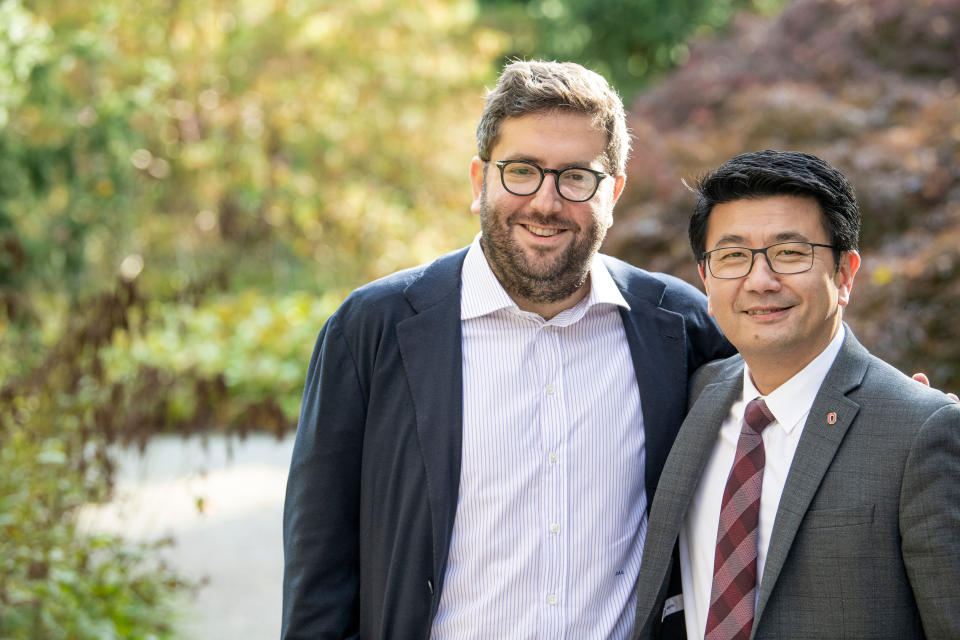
(832, 418)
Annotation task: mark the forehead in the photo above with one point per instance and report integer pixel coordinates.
(760, 221)
(553, 138)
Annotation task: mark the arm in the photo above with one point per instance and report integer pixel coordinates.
(321, 512)
(930, 522)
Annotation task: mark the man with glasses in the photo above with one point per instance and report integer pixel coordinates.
(813, 490)
(480, 437)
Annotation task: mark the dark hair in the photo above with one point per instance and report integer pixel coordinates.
(535, 86)
(761, 174)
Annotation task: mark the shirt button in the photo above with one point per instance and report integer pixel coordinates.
(554, 527)
(551, 389)
(553, 457)
(552, 598)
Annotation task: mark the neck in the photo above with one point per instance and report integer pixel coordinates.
(548, 310)
(770, 370)
(767, 381)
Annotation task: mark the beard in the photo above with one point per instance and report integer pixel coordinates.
(549, 279)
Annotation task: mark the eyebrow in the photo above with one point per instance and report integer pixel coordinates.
(522, 158)
(731, 239)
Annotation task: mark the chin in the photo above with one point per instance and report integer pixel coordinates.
(767, 343)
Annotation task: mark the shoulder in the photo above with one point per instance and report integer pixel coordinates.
(715, 371)
(888, 401)
(645, 291)
(402, 293)
(657, 288)
(889, 387)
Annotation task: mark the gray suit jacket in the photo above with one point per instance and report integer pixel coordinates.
(866, 541)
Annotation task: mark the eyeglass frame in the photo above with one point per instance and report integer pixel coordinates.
(600, 175)
(705, 258)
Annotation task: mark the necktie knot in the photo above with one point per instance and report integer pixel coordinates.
(757, 416)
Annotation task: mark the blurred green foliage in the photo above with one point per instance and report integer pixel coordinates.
(253, 345)
(188, 190)
(210, 152)
(56, 428)
(628, 41)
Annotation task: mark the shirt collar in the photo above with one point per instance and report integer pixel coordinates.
(482, 294)
(791, 401)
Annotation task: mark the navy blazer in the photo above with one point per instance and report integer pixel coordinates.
(372, 491)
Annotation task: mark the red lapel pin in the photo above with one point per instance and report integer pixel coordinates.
(832, 417)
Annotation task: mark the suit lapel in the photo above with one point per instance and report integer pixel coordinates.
(692, 450)
(657, 348)
(815, 452)
(681, 475)
(694, 445)
(430, 347)
(657, 340)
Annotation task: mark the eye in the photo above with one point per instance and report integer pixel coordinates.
(520, 170)
(791, 251)
(575, 175)
(731, 255)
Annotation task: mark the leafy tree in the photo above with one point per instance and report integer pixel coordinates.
(629, 41)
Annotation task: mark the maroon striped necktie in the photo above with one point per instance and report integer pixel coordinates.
(733, 595)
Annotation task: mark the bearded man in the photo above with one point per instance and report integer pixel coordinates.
(480, 436)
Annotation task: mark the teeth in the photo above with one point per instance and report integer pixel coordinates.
(540, 231)
(761, 312)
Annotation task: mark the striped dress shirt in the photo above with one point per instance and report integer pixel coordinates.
(551, 513)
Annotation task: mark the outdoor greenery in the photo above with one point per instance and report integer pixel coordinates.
(189, 189)
(629, 42)
(874, 88)
(56, 426)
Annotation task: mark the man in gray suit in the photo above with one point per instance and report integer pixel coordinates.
(829, 507)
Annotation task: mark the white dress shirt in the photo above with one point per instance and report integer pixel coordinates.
(551, 515)
(789, 403)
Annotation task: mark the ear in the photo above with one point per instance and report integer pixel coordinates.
(476, 180)
(849, 265)
(619, 182)
(706, 287)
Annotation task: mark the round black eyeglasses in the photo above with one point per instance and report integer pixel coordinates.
(522, 178)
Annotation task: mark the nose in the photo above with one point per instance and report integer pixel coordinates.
(761, 276)
(547, 199)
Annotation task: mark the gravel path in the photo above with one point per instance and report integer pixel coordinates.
(222, 503)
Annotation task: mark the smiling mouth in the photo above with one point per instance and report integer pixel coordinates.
(543, 232)
(764, 312)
